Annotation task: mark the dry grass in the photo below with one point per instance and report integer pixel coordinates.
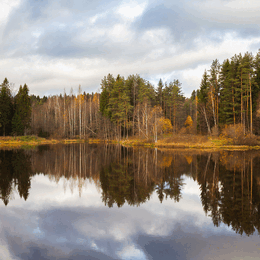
(23, 141)
(31, 141)
(187, 141)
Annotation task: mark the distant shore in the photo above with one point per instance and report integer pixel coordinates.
(215, 144)
(31, 141)
(202, 143)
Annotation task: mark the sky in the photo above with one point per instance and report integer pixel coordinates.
(54, 45)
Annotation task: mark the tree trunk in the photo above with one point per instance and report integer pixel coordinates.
(205, 114)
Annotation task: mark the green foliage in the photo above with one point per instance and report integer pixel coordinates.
(159, 93)
(17, 124)
(6, 108)
(204, 88)
(225, 94)
(22, 116)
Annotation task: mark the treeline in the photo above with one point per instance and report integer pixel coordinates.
(125, 107)
(228, 96)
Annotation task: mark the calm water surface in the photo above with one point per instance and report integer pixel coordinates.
(109, 202)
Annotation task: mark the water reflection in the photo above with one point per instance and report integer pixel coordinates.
(228, 181)
(15, 172)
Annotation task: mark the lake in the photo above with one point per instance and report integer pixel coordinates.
(83, 201)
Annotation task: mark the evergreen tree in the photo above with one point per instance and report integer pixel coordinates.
(6, 108)
(226, 112)
(203, 96)
(159, 93)
(107, 85)
(22, 116)
(119, 103)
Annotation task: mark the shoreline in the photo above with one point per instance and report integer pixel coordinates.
(190, 146)
(211, 144)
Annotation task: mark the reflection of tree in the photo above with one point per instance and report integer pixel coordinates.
(115, 183)
(6, 175)
(22, 172)
(139, 173)
(119, 186)
(170, 186)
(229, 191)
(15, 170)
(228, 181)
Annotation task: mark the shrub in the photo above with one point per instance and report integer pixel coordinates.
(237, 135)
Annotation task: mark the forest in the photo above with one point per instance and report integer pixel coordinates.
(227, 100)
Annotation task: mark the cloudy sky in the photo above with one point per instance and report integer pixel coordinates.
(54, 45)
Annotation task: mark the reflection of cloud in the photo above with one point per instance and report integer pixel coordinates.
(49, 227)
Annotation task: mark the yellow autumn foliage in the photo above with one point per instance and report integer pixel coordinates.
(166, 125)
(188, 121)
(189, 124)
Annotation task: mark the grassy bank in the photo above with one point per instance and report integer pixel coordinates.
(190, 142)
(171, 142)
(31, 141)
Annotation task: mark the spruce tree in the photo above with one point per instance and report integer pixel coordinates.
(22, 116)
(226, 105)
(159, 93)
(6, 108)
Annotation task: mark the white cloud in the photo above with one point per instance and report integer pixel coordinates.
(131, 9)
(6, 6)
(120, 33)
(131, 252)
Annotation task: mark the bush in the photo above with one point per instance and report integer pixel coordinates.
(237, 135)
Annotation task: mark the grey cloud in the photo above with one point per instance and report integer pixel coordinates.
(179, 245)
(59, 33)
(35, 9)
(187, 22)
(176, 19)
(33, 250)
